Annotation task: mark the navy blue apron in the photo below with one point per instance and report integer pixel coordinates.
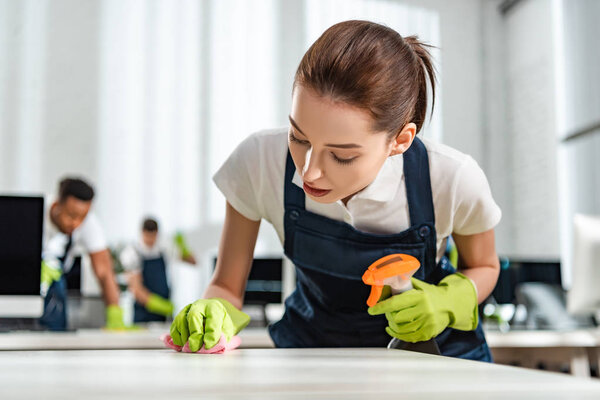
(154, 278)
(54, 317)
(328, 307)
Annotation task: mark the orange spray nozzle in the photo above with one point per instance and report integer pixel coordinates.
(387, 267)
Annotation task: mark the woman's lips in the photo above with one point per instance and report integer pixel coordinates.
(315, 192)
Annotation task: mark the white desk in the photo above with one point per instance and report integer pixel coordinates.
(95, 339)
(274, 374)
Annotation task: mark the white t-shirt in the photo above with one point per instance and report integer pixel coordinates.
(252, 180)
(131, 256)
(88, 238)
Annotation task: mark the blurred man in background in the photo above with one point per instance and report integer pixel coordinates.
(71, 229)
(146, 266)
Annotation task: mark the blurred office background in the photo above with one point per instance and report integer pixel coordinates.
(147, 99)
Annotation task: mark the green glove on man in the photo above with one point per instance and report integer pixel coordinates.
(114, 317)
(426, 310)
(159, 305)
(49, 273)
(203, 322)
(182, 245)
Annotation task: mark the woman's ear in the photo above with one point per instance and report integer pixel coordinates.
(404, 139)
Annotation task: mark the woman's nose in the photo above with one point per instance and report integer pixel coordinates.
(312, 170)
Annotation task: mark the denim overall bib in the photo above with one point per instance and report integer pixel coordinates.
(54, 317)
(154, 278)
(328, 307)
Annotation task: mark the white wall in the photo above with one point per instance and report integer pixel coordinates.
(519, 125)
(474, 95)
(532, 128)
(49, 92)
(496, 143)
(500, 107)
(578, 104)
(461, 72)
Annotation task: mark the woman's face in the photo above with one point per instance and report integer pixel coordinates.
(333, 147)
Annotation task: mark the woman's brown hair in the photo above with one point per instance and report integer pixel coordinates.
(372, 67)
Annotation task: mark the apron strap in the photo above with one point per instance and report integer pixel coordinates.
(418, 184)
(293, 195)
(64, 256)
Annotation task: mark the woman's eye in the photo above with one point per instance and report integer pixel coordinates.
(296, 140)
(343, 160)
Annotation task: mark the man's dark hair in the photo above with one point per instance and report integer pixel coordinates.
(75, 187)
(150, 225)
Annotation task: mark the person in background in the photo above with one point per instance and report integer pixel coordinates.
(147, 276)
(70, 229)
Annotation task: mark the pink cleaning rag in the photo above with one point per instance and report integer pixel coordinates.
(219, 348)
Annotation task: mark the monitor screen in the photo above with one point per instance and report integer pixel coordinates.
(20, 244)
(584, 296)
(264, 282)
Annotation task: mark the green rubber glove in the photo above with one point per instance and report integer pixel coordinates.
(426, 310)
(182, 245)
(49, 274)
(114, 317)
(159, 305)
(203, 322)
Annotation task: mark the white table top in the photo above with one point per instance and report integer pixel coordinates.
(96, 339)
(273, 374)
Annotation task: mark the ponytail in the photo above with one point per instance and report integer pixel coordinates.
(425, 70)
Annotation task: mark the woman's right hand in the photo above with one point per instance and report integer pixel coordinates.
(205, 320)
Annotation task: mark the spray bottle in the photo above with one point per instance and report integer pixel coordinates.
(395, 271)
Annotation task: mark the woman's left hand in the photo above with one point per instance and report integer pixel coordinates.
(426, 310)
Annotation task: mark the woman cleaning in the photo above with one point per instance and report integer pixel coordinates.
(348, 183)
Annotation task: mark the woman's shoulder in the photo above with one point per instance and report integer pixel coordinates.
(265, 150)
(461, 193)
(252, 177)
(267, 139)
(448, 165)
(442, 155)
(451, 171)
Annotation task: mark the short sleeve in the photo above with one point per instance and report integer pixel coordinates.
(239, 179)
(92, 237)
(475, 210)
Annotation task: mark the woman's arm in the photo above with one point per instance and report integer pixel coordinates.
(236, 251)
(477, 259)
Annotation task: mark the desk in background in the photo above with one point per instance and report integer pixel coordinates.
(579, 349)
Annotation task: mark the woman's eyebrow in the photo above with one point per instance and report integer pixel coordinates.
(339, 146)
(295, 125)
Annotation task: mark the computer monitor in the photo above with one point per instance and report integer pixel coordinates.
(21, 226)
(584, 295)
(264, 284)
